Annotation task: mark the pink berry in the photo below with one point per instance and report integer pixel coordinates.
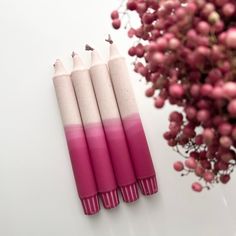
(132, 51)
(203, 28)
(172, 142)
(226, 141)
(225, 129)
(191, 112)
(131, 5)
(195, 90)
(191, 163)
(208, 176)
(199, 171)
(231, 38)
(208, 8)
(223, 165)
(178, 166)
(197, 187)
(234, 133)
(174, 44)
(206, 90)
(176, 117)
(203, 115)
(116, 23)
(224, 179)
(176, 90)
(217, 92)
(159, 102)
(167, 135)
(199, 139)
(114, 15)
(232, 107)
(226, 157)
(228, 9)
(229, 89)
(150, 92)
(158, 58)
(208, 136)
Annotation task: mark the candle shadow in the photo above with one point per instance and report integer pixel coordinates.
(131, 219)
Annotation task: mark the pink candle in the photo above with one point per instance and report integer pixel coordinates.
(95, 136)
(76, 142)
(113, 129)
(138, 146)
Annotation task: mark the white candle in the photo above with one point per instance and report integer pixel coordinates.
(94, 134)
(113, 128)
(76, 142)
(138, 146)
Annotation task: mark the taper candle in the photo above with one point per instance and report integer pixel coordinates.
(94, 133)
(133, 128)
(113, 128)
(76, 141)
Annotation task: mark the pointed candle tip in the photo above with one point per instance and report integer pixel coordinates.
(57, 61)
(88, 48)
(73, 54)
(109, 40)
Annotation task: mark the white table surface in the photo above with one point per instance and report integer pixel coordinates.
(37, 190)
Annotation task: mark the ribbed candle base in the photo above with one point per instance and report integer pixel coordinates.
(110, 199)
(148, 186)
(129, 193)
(90, 205)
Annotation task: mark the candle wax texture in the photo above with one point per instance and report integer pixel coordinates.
(113, 129)
(133, 128)
(95, 136)
(76, 141)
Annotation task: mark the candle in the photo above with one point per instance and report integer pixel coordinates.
(76, 142)
(113, 128)
(94, 134)
(133, 128)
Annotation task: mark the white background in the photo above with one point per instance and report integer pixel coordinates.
(37, 190)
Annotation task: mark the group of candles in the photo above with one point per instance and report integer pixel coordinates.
(104, 134)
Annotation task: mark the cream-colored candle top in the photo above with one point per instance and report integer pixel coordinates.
(121, 83)
(65, 95)
(84, 92)
(103, 88)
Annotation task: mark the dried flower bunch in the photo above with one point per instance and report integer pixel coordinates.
(186, 51)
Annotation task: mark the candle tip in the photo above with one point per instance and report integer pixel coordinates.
(88, 48)
(77, 62)
(56, 62)
(109, 40)
(74, 54)
(59, 68)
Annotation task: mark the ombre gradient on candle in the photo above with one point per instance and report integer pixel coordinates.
(133, 128)
(95, 136)
(76, 141)
(113, 129)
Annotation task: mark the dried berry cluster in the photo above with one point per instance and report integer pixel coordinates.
(186, 51)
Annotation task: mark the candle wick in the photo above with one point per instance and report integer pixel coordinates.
(88, 48)
(73, 54)
(109, 40)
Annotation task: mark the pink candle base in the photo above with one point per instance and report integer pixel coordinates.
(81, 165)
(140, 154)
(121, 161)
(90, 205)
(102, 165)
(129, 193)
(148, 186)
(110, 199)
